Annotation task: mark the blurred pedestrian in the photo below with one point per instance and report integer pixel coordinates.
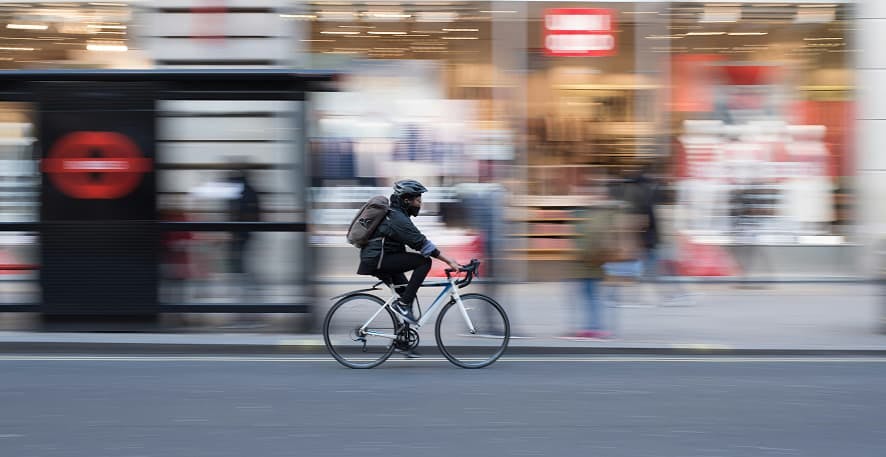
(598, 244)
(244, 207)
(642, 192)
(747, 204)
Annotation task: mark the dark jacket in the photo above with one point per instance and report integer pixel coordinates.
(597, 240)
(642, 194)
(245, 208)
(396, 232)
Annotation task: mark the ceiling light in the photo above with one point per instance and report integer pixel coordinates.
(387, 15)
(387, 33)
(107, 47)
(461, 38)
(27, 26)
(298, 16)
(100, 26)
(339, 32)
(706, 33)
(334, 16)
(748, 33)
(461, 30)
(13, 48)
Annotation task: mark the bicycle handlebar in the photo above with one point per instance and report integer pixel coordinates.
(472, 269)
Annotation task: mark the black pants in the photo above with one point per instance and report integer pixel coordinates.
(394, 265)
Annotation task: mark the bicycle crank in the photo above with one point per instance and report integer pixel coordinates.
(407, 339)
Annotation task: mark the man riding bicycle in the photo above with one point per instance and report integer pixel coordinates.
(385, 255)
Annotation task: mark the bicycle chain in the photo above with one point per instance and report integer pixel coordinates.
(407, 339)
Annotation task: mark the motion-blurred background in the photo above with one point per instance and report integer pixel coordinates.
(745, 137)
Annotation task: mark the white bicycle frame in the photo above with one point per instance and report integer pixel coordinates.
(450, 290)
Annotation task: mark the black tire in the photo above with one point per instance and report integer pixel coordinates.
(341, 323)
(492, 326)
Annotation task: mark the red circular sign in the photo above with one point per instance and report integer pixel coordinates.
(96, 165)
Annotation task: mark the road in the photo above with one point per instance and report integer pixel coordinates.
(129, 406)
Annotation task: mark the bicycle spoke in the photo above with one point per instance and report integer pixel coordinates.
(485, 344)
(352, 340)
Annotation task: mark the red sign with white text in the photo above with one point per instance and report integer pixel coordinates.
(579, 32)
(96, 165)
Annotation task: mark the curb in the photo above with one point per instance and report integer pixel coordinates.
(314, 349)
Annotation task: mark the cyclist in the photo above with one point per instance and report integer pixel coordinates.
(385, 255)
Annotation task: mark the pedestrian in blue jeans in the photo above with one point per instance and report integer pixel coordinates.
(597, 246)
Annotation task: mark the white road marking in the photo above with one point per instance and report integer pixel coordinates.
(505, 359)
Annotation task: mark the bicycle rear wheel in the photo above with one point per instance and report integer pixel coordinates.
(492, 331)
(349, 345)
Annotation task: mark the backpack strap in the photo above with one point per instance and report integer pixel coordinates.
(381, 254)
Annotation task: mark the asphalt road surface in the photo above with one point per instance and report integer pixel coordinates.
(128, 406)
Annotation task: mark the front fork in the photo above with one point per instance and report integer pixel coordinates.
(464, 313)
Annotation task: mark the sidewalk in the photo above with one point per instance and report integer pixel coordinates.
(720, 318)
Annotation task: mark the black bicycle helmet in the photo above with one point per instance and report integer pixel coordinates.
(409, 187)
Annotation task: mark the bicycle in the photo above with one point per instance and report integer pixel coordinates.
(361, 330)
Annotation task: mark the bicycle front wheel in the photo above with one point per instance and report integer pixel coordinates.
(485, 344)
(354, 337)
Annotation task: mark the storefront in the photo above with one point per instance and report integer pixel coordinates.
(723, 100)
(745, 109)
(730, 101)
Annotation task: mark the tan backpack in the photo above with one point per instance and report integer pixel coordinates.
(367, 220)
